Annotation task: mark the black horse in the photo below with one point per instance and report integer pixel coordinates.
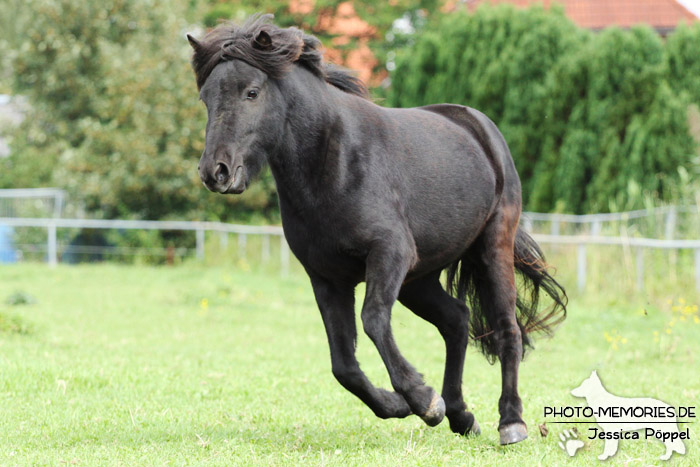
(392, 197)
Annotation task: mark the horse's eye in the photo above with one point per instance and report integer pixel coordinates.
(252, 94)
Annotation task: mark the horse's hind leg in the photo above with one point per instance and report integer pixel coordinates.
(426, 298)
(494, 276)
(337, 309)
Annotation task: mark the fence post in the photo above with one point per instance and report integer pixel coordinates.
(223, 240)
(52, 247)
(581, 267)
(670, 223)
(555, 226)
(697, 269)
(640, 268)
(200, 243)
(284, 255)
(596, 228)
(527, 225)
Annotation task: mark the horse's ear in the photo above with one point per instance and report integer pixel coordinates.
(196, 45)
(263, 41)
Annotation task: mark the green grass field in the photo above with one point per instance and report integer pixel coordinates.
(194, 365)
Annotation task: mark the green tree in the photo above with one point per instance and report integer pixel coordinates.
(683, 60)
(115, 116)
(611, 124)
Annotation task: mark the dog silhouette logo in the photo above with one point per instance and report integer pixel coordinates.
(624, 417)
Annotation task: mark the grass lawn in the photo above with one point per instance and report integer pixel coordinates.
(194, 365)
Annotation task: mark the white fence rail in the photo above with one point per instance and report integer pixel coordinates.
(608, 216)
(51, 225)
(580, 241)
(639, 244)
(594, 223)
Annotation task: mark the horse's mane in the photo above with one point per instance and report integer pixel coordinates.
(229, 41)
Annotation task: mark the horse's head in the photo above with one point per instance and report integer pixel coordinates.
(244, 117)
(236, 68)
(242, 128)
(240, 72)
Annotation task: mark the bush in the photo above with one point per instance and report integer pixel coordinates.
(115, 116)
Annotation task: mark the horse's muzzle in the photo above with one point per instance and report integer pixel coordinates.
(221, 178)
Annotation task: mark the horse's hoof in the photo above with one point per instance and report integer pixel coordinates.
(436, 411)
(476, 429)
(463, 423)
(513, 433)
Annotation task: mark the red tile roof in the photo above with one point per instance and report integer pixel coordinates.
(597, 14)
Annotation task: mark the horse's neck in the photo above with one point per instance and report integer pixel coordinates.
(300, 162)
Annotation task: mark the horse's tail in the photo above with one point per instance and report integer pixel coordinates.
(463, 281)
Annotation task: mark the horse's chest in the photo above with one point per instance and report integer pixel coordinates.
(331, 252)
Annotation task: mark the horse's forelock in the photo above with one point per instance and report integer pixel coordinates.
(288, 45)
(229, 41)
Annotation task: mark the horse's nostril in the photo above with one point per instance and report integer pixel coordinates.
(221, 173)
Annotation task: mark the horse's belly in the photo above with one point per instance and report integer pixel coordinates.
(442, 242)
(450, 213)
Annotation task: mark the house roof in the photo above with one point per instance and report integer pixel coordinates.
(663, 15)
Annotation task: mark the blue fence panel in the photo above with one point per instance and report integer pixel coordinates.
(8, 254)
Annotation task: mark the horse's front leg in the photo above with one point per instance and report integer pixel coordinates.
(337, 305)
(386, 268)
